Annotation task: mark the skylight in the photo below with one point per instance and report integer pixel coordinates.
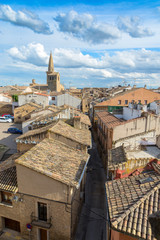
(146, 180)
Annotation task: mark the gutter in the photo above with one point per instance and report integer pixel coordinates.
(82, 173)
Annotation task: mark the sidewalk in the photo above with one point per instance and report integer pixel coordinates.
(10, 235)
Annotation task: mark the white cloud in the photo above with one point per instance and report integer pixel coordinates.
(142, 65)
(33, 53)
(132, 26)
(68, 58)
(24, 19)
(85, 27)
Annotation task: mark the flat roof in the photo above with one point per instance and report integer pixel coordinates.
(149, 152)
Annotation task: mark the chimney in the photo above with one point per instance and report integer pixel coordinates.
(77, 122)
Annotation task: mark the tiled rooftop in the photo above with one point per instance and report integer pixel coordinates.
(26, 108)
(36, 131)
(63, 129)
(85, 119)
(9, 162)
(8, 179)
(131, 202)
(116, 156)
(134, 94)
(44, 119)
(55, 160)
(109, 119)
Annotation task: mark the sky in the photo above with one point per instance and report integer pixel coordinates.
(93, 43)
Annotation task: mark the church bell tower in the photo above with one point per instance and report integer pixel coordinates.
(53, 78)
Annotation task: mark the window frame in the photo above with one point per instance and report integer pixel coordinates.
(7, 201)
(42, 216)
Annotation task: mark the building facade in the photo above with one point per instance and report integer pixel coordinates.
(43, 189)
(115, 104)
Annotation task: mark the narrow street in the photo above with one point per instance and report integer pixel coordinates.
(92, 223)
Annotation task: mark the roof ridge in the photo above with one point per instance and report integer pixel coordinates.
(123, 93)
(34, 131)
(136, 204)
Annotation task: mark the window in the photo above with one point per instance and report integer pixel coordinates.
(6, 198)
(42, 211)
(145, 101)
(53, 98)
(139, 101)
(119, 102)
(126, 101)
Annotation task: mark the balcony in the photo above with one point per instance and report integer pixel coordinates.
(35, 221)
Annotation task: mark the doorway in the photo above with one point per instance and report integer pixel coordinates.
(42, 234)
(12, 224)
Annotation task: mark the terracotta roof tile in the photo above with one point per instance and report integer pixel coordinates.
(55, 160)
(116, 157)
(9, 162)
(8, 179)
(36, 131)
(77, 135)
(109, 119)
(131, 202)
(26, 109)
(63, 129)
(134, 94)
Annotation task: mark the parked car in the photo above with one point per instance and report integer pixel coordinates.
(3, 119)
(9, 117)
(14, 130)
(6, 114)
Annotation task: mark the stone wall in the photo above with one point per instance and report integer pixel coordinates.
(21, 211)
(137, 126)
(5, 108)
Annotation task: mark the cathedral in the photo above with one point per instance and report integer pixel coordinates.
(53, 78)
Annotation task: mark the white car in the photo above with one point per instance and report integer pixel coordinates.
(3, 119)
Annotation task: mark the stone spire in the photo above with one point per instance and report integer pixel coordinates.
(50, 65)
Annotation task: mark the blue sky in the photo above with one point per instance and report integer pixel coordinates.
(94, 43)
